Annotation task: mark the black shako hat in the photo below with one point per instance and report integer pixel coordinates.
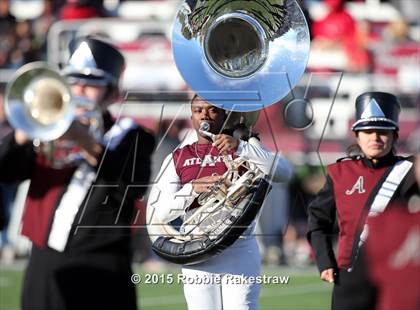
(376, 110)
(94, 61)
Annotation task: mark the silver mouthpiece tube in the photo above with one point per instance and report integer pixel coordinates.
(204, 130)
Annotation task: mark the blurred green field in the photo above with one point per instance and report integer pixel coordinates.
(304, 291)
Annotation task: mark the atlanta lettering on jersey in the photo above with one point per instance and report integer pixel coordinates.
(208, 160)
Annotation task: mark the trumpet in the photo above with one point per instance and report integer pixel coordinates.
(38, 101)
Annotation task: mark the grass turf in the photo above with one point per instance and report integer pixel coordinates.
(303, 291)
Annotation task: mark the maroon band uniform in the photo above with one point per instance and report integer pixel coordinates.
(94, 268)
(348, 187)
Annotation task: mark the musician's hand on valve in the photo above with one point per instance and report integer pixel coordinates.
(225, 143)
(79, 133)
(205, 184)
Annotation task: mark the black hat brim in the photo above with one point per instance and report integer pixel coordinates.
(381, 125)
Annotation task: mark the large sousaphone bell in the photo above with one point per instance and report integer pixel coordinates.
(241, 55)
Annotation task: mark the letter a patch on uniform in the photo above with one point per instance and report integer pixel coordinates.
(357, 186)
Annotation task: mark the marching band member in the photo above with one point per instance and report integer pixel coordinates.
(395, 263)
(194, 169)
(358, 188)
(78, 213)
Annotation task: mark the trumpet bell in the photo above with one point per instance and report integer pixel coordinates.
(38, 101)
(241, 55)
(45, 101)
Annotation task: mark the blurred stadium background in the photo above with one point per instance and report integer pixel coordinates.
(369, 45)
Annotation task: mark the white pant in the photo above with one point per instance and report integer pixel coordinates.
(216, 283)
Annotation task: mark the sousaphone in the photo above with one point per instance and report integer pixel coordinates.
(241, 56)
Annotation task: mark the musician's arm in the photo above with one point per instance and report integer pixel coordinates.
(17, 158)
(321, 218)
(274, 165)
(168, 198)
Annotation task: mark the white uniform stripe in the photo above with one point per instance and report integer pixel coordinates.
(390, 186)
(78, 188)
(381, 201)
(386, 192)
(68, 207)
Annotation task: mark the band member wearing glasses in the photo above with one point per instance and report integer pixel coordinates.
(358, 188)
(80, 201)
(194, 169)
